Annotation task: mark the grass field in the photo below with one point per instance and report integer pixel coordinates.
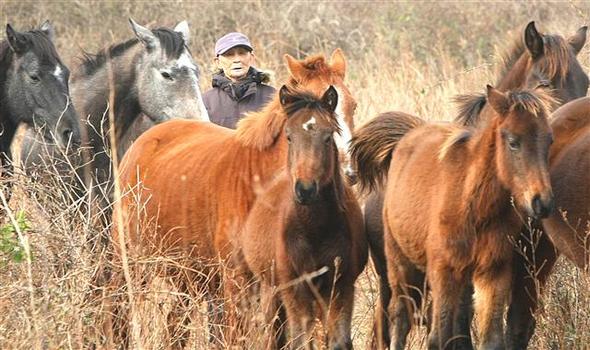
(407, 56)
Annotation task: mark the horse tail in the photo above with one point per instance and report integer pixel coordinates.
(373, 144)
(470, 107)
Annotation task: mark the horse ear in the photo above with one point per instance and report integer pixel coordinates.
(295, 68)
(497, 100)
(578, 40)
(47, 28)
(533, 40)
(338, 62)
(285, 96)
(16, 40)
(330, 99)
(183, 29)
(145, 36)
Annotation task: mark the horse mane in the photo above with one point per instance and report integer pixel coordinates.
(457, 136)
(260, 129)
(314, 65)
(373, 144)
(470, 107)
(171, 42)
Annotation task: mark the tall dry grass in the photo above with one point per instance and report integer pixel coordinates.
(408, 56)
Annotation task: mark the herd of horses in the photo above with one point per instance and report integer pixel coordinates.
(275, 201)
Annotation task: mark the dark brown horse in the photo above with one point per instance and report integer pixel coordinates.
(202, 179)
(535, 59)
(453, 198)
(307, 220)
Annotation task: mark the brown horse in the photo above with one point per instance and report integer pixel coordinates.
(308, 219)
(449, 210)
(535, 59)
(202, 179)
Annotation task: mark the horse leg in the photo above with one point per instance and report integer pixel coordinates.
(274, 316)
(298, 303)
(447, 293)
(374, 230)
(463, 317)
(178, 319)
(493, 290)
(215, 312)
(340, 317)
(520, 323)
(570, 240)
(406, 292)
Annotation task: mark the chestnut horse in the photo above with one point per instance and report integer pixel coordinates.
(202, 179)
(535, 59)
(449, 210)
(307, 220)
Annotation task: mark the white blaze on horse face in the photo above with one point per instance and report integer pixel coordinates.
(58, 73)
(343, 139)
(308, 125)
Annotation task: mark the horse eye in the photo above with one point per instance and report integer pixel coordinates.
(34, 78)
(327, 139)
(166, 75)
(289, 138)
(513, 144)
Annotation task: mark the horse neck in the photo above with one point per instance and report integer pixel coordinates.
(126, 103)
(486, 195)
(326, 212)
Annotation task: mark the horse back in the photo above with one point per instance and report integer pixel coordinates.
(417, 183)
(168, 162)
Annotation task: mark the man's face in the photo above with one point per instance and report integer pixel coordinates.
(235, 62)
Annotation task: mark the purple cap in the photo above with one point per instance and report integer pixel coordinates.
(231, 40)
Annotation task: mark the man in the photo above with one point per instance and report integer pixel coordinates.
(237, 86)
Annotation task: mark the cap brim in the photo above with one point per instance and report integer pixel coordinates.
(249, 48)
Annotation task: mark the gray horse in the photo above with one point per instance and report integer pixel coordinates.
(34, 91)
(145, 80)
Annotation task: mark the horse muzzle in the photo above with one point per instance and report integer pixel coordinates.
(542, 207)
(306, 193)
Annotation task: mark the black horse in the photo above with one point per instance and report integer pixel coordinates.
(34, 90)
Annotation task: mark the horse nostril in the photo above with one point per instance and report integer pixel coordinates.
(540, 209)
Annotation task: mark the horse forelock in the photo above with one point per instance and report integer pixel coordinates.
(171, 42)
(537, 102)
(306, 100)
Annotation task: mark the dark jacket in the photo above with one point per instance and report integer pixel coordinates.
(227, 102)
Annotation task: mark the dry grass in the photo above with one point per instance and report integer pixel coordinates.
(412, 57)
